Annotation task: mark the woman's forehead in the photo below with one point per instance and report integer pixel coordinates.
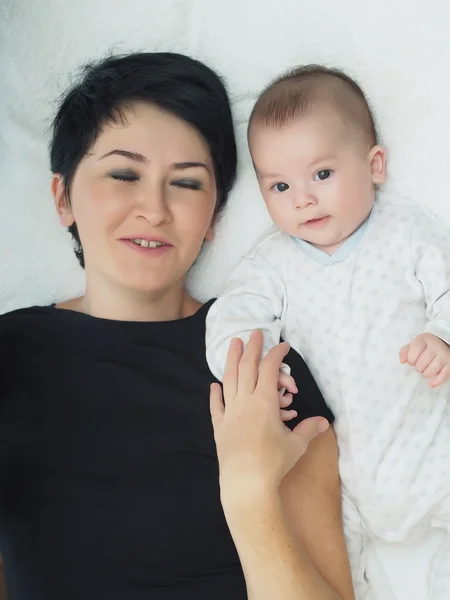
(147, 126)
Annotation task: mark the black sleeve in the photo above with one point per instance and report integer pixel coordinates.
(3, 344)
(5, 337)
(5, 436)
(308, 402)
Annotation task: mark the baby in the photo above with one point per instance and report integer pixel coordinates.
(358, 282)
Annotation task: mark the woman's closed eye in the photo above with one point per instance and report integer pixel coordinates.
(280, 187)
(126, 175)
(188, 184)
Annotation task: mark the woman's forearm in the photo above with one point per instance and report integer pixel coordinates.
(274, 565)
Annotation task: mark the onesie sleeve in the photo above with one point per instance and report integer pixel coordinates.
(253, 298)
(430, 251)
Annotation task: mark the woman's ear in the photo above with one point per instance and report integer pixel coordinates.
(209, 236)
(62, 203)
(377, 163)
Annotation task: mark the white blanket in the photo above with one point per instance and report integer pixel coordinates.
(398, 50)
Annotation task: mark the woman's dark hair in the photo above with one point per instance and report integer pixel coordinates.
(178, 84)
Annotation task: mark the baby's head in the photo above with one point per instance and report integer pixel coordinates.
(315, 149)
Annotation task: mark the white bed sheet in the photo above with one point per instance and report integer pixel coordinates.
(399, 51)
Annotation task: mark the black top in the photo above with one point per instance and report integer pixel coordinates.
(108, 468)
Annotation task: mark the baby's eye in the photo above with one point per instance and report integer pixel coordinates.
(322, 175)
(124, 175)
(280, 187)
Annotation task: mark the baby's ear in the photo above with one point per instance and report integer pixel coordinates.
(377, 163)
(62, 203)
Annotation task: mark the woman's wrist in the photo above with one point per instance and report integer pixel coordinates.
(275, 563)
(256, 497)
(254, 519)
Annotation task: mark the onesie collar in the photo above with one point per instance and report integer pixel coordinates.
(343, 251)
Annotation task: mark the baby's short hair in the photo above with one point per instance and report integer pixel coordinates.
(304, 89)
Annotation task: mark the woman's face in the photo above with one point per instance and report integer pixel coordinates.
(143, 200)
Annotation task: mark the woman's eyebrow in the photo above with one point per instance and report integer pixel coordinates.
(127, 154)
(189, 165)
(144, 160)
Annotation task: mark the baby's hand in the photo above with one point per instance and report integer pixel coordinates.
(286, 383)
(430, 356)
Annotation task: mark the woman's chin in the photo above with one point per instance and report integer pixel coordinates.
(148, 284)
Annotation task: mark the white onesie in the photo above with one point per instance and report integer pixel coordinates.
(348, 315)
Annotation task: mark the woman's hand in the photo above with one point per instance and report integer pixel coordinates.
(255, 449)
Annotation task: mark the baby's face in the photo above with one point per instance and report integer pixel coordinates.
(317, 177)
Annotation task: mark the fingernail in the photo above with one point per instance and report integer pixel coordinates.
(322, 425)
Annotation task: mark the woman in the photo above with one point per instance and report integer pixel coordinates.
(109, 470)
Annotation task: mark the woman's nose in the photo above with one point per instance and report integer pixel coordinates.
(153, 206)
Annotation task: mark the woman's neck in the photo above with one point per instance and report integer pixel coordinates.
(121, 304)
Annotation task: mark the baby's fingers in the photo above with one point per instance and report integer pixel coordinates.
(425, 360)
(287, 382)
(285, 400)
(440, 377)
(403, 354)
(288, 415)
(434, 368)
(412, 351)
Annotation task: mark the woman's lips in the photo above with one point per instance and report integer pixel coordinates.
(145, 250)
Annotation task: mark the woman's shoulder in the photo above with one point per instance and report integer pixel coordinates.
(197, 317)
(62, 330)
(20, 316)
(18, 328)
(203, 309)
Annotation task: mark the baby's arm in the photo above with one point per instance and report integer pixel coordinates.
(429, 352)
(253, 298)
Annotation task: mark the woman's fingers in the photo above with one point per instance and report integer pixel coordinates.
(310, 428)
(231, 370)
(216, 405)
(249, 363)
(269, 370)
(244, 371)
(301, 436)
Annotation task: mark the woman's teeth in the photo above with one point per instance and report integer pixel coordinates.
(147, 244)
